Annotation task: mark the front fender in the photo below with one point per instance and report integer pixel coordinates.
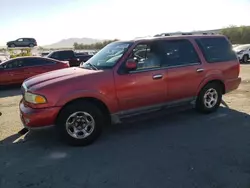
(111, 104)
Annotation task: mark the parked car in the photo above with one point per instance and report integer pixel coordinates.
(112, 86)
(22, 42)
(243, 52)
(70, 56)
(15, 71)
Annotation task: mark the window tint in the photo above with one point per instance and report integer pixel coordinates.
(147, 56)
(179, 52)
(65, 55)
(216, 49)
(20, 40)
(54, 55)
(37, 62)
(14, 64)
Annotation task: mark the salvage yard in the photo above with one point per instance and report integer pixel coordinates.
(183, 149)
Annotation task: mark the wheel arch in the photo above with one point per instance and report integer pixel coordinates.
(217, 81)
(99, 103)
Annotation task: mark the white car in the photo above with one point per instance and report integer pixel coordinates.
(243, 52)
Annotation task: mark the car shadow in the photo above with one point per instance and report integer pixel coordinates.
(10, 91)
(141, 123)
(172, 143)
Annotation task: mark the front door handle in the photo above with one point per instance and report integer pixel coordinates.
(199, 70)
(157, 76)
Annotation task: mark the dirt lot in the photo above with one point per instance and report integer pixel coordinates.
(182, 149)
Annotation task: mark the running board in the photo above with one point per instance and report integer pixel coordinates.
(120, 117)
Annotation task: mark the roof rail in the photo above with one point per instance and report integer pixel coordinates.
(173, 34)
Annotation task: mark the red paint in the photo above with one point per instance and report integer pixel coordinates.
(18, 75)
(127, 91)
(38, 118)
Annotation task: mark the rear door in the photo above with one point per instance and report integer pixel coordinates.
(185, 70)
(26, 42)
(37, 66)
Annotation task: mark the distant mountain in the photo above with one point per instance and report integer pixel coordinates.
(68, 43)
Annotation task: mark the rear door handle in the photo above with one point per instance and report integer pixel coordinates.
(199, 70)
(157, 76)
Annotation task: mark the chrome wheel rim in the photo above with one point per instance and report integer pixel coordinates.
(80, 125)
(210, 98)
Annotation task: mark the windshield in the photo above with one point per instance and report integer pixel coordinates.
(242, 47)
(108, 56)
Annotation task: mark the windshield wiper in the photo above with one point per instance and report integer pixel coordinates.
(93, 66)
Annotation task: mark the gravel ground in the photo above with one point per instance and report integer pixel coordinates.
(184, 149)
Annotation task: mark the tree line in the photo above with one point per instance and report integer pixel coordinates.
(95, 46)
(237, 35)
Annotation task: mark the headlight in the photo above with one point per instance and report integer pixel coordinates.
(34, 98)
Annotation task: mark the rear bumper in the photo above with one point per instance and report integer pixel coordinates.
(37, 118)
(231, 85)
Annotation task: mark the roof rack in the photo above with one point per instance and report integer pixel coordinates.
(174, 34)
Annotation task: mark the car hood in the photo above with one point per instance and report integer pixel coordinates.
(54, 77)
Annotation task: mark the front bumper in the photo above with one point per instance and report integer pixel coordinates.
(37, 118)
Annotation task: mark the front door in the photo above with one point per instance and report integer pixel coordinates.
(185, 70)
(145, 86)
(15, 72)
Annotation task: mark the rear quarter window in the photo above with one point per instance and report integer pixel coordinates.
(217, 49)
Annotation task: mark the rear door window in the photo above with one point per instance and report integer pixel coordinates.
(30, 62)
(179, 53)
(217, 49)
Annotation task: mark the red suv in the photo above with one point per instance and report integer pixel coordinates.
(128, 78)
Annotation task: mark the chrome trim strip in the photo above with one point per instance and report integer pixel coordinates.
(164, 68)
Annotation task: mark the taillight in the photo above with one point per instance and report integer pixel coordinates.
(65, 63)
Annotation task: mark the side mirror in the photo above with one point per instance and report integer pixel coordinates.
(131, 64)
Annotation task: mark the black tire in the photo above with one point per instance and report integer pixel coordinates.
(245, 59)
(70, 109)
(12, 45)
(31, 45)
(200, 101)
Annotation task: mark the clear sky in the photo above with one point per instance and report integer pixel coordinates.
(52, 20)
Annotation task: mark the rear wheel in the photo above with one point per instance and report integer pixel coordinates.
(245, 58)
(31, 45)
(209, 98)
(80, 123)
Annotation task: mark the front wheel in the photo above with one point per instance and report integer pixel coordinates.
(80, 123)
(209, 98)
